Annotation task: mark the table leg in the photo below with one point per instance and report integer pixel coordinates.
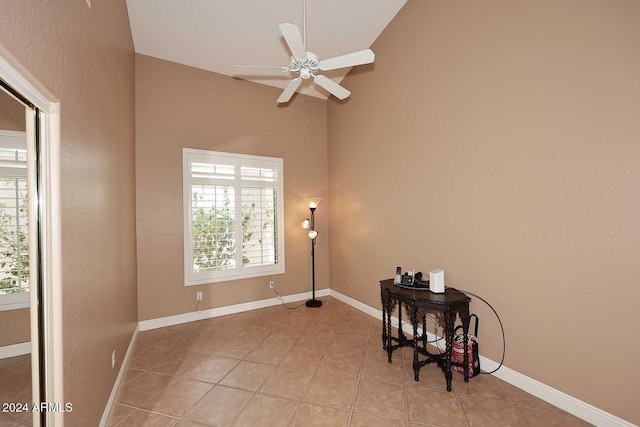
(424, 332)
(389, 330)
(464, 317)
(383, 297)
(448, 322)
(414, 321)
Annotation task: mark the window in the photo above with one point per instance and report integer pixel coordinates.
(14, 229)
(233, 216)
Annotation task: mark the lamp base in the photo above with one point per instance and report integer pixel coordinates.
(314, 303)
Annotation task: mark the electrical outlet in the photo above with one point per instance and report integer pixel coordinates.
(272, 285)
(198, 296)
(113, 359)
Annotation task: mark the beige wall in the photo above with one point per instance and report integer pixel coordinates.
(498, 140)
(11, 113)
(15, 327)
(84, 56)
(178, 106)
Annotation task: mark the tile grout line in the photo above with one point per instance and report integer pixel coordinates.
(515, 405)
(344, 317)
(464, 413)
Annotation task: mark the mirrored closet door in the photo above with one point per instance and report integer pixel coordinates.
(20, 299)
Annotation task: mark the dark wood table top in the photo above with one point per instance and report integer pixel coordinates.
(424, 297)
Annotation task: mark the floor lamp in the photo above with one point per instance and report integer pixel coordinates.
(310, 225)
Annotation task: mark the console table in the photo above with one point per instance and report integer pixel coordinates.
(417, 302)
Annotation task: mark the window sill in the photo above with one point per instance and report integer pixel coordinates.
(204, 279)
(14, 301)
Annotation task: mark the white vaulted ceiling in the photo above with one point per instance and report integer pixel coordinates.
(214, 35)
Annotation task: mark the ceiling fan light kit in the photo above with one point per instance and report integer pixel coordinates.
(307, 64)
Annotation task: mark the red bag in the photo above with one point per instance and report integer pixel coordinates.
(457, 351)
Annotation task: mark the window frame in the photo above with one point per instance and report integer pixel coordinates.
(191, 155)
(14, 139)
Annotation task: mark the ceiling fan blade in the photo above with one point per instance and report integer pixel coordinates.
(291, 34)
(334, 88)
(288, 92)
(271, 69)
(349, 60)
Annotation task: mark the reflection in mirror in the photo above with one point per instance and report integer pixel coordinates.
(15, 347)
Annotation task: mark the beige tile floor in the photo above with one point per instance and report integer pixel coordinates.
(15, 387)
(305, 367)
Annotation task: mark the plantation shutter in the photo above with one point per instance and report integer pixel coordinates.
(213, 212)
(234, 212)
(14, 231)
(259, 210)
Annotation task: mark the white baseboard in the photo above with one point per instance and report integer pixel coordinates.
(13, 350)
(580, 409)
(116, 386)
(567, 403)
(178, 319)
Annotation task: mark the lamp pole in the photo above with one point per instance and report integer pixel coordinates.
(313, 204)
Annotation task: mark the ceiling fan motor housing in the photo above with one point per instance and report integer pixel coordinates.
(306, 67)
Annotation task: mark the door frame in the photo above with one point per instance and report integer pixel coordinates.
(48, 110)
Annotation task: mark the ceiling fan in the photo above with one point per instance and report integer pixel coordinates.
(307, 64)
